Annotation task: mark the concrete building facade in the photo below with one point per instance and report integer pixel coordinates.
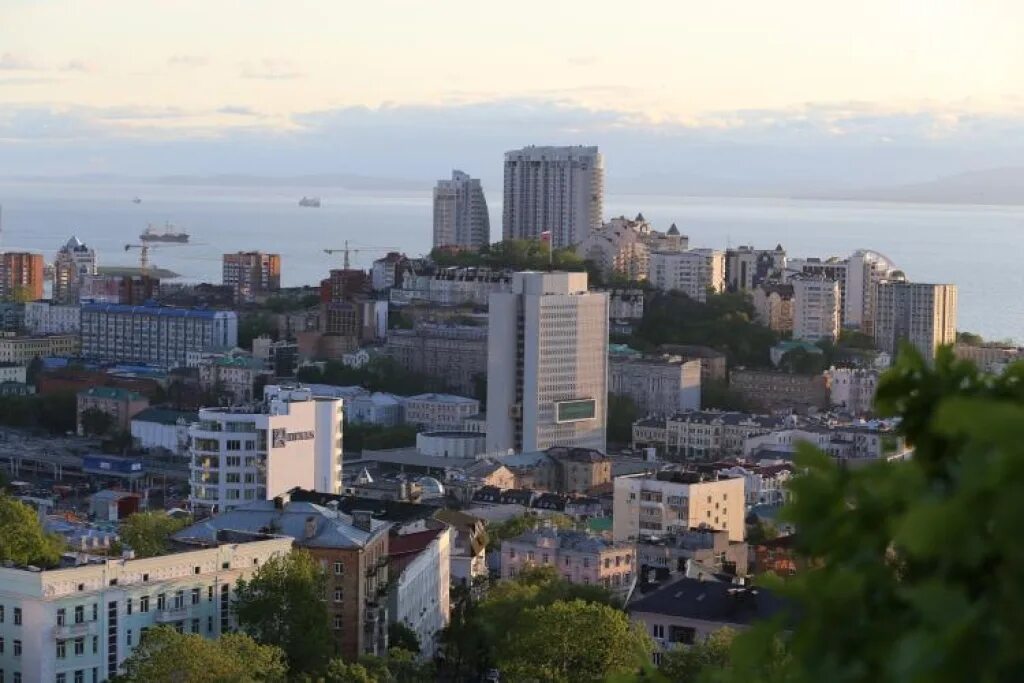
(694, 272)
(673, 502)
(460, 213)
(48, 317)
(75, 261)
(658, 385)
(923, 315)
(21, 276)
(576, 556)
(816, 313)
(251, 274)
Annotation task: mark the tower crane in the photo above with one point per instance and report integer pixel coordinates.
(143, 255)
(349, 251)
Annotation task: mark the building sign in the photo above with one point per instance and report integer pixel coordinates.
(575, 410)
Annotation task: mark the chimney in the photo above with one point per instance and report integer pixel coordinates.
(310, 529)
(362, 520)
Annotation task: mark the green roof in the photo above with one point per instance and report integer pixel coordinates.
(599, 524)
(165, 416)
(240, 362)
(112, 393)
(623, 350)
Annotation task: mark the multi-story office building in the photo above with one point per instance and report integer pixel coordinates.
(353, 549)
(239, 455)
(658, 385)
(22, 350)
(252, 273)
(694, 272)
(553, 189)
(74, 262)
(747, 268)
(577, 556)
(923, 315)
(21, 276)
(439, 411)
(460, 213)
(453, 355)
(79, 624)
(158, 335)
(547, 364)
(816, 313)
(673, 502)
(47, 317)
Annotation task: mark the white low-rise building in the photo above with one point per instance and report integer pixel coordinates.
(451, 444)
(79, 624)
(46, 317)
(694, 272)
(13, 372)
(853, 389)
(419, 597)
(163, 428)
(762, 484)
(439, 411)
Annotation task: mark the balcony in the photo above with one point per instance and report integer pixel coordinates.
(86, 628)
(168, 616)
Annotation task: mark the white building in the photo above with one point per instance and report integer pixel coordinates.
(693, 272)
(547, 364)
(439, 411)
(923, 315)
(553, 189)
(618, 247)
(291, 439)
(363, 406)
(13, 372)
(676, 501)
(74, 262)
(762, 484)
(79, 624)
(853, 389)
(747, 268)
(387, 271)
(47, 317)
(658, 385)
(420, 596)
(163, 428)
(451, 444)
(816, 313)
(865, 270)
(460, 213)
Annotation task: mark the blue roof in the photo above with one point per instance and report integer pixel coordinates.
(152, 309)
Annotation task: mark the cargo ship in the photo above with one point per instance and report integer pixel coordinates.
(312, 202)
(168, 234)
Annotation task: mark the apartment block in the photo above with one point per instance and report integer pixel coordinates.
(576, 556)
(770, 391)
(120, 404)
(74, 262)
(702, 435)
(747, 268)
(853, 389)
(773, 303)
(21, 276)
(238, 379)
(453, 355)
(694, 272)
(673, 502)
(48, 317)
(460, 213)
(22, 350)
(251, 274)
(816, 312)
(657, 385)
(923, 315)
(439, 411)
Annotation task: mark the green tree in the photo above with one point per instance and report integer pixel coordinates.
(622, 413)
(340, 671)
(149, 533)
(96, 422)
(574, 641)
(715, 393)
(688, 664)
(803, 362)
(402, 637)
(283, 604)
(23, 540)
(166, 656)
(35, 366)
(516, 526)
(916, 564)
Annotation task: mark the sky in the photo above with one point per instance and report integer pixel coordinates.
(407, 88)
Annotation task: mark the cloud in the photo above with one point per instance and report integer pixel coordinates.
(189, 61)
(271, 70)
(235, 110)
(12, 62)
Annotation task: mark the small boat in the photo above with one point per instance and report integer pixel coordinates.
(311, 202)
(137, 200)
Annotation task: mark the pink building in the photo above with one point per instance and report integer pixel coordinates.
(578, 556)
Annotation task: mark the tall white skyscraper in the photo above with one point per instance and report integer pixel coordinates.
(560, 189)
(922, 314)
(816, 313)
(460, 213)
(547, 364)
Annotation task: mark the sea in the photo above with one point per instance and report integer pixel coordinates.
(978, 248)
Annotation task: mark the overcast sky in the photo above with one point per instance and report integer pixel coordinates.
(408, 88)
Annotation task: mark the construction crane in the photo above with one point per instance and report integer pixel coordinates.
(349, 251)
(143, 255)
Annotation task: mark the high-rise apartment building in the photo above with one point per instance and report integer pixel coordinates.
(21, 276)
(460, 213)
(547, 364)
(694, 272)
(158, 335)
(556, 189)
(816, 313)
(74, 262)
(747, 268)
(922, 314)
(252, 273)
(240, 455)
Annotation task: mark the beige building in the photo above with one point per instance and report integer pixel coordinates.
(577, 556)
(673, 502)
(22, 350)
(658, 385)
(773, 304)
(769, 390)
(251, 273)
(816, 312)
(923, 315)
(439, 411)
(702, 435)
(619, 248)
(989, 358)
(694, 272)
(120, 404)
(455, 355)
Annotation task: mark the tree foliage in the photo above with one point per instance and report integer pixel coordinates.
(622, 413)
(688, 664)
(149, 533)
(358, 437)
(917, 563)
(402, 637)
(283, 604)
(514, 255)
(96, 422)
(380, 374)
(166, 656)
(55, 413)
(23, 540)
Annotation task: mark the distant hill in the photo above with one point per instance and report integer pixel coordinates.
(993, 186)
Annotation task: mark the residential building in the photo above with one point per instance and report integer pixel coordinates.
(853, 389)
(547, 364)
(747, 268)
(689, 610)
(163, 428)
(388, 271)
(625, 304)
(990, 358)
(451, 286)
(251, 274)
(280, 357)
(47, 317)
(694, 272)
(74, 262)
(291, 439)
(866, 269)
(12, 317)
(79, 623)
(451, 443)
(816, 313)
(13, 372)
(773, 303)
(120, 404)
(455, 356)
(713, 363)
(21, 276)
(129, 290)
(460, 213)
(708, 547)
(770, 391)
(833, 268)
(158, 335)
(850, 443)
(560, 469)
(468, 546)
(577, 556)
(439, 411)
(762, 484)
(922, 315)
(352, 549)
(22, 350)
(657, 385)
(618, 248)
(363, 406)
(702, 435)
(555, 190)
(673, 501)
(238, 379)
(420, 571)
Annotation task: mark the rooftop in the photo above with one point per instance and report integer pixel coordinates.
(153, 309)
(711, 601)
(575, 541)
(112, 393)
(165, 416)
(441, 398)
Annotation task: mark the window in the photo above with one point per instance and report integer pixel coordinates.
(62, 649)
(209, 593)
(339, 569)
(338, 595)
(196, 595)
(681, 634)
(95, 612)
(337, 622)
(16, 677)
(128, 605)
(95, 644)
(1, 614)
(128, 637)
(62, 616)
(161, 601)
(179, 599)
(195, 626)
(79, 614)
(79, 646)
(209, 624)
(80, 676)
(658, 630)
(17, 648)
(144, 603)
(17, 616)
(233, 445)
(1, 646)
(62, 678)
